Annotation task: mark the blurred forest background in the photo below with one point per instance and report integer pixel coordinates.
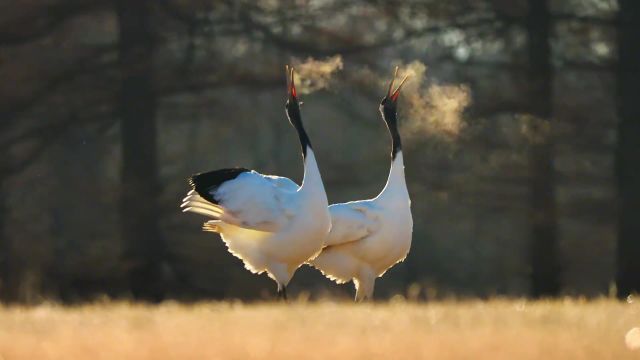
(521, 126)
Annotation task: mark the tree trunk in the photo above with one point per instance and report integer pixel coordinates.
(628, 150)
(5, 247)
(9, 270)
(542, 208)
(144, 248)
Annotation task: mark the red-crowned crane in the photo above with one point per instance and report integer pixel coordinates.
(269, 222)
(370, 236)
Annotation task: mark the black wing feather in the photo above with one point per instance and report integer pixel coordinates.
(204, 183)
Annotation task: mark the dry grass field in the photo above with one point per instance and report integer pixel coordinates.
(498, 329)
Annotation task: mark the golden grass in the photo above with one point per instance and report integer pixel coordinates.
(498, 329)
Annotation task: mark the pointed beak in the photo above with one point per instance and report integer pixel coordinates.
(291, 85)
(393, 95)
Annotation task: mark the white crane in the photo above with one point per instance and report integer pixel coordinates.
(368, 237)
(269, 222)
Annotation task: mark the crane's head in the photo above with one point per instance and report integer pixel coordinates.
(292, 105)
(390, 101)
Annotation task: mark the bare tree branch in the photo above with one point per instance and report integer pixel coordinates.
(349, 46)
(46, 136)
(37, 25)
(587, 20)
(82, 66)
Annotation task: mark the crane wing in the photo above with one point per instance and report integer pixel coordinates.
(351, 222)
(244, 198)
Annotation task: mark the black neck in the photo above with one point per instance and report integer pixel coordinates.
(389, 116)
(293, 112)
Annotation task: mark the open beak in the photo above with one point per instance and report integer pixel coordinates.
(394, 95)
(291, 85)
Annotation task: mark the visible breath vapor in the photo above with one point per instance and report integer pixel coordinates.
(434, 110)
(314, 75)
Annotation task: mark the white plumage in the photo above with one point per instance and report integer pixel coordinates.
(258, 200)
(269, 222)
(368, 237)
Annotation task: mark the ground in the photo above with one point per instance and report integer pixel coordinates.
(497, 329)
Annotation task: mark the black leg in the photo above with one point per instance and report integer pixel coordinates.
(284, 293)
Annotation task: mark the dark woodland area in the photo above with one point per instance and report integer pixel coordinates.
(520, 125)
